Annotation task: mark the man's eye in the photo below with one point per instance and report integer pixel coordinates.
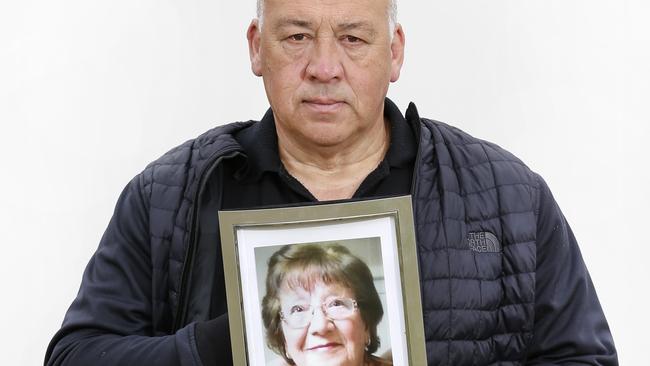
(352, 39)
(297, 37)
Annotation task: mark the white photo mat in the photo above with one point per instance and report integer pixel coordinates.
(248, 238)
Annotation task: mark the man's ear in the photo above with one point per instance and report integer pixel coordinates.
(253, 35)
(397, 52)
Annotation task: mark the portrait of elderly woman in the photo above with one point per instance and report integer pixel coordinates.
(321, 307)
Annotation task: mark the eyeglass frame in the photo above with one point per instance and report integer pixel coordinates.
(355, 307)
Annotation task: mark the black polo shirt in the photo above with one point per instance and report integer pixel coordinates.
(263, 181)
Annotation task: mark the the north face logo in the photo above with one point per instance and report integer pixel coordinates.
(483, 242)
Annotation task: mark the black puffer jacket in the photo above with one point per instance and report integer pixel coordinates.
(526, 299)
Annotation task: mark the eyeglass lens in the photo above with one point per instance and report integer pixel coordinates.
(299, 315)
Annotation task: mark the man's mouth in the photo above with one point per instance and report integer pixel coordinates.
(323, 105)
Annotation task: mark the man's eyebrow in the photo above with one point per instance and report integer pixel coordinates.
(364, 26)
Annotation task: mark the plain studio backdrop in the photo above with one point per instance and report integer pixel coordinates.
(91, 91)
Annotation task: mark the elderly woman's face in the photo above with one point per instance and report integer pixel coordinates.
(323, 341)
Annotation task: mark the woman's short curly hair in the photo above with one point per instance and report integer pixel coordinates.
(304, 265)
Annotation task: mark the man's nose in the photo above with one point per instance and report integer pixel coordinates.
(319, 322)
(325, 61)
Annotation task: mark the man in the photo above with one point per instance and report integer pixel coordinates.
(502, 279)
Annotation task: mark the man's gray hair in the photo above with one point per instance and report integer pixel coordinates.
(392, 14)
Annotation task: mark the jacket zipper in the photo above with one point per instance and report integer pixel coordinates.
(189, 256)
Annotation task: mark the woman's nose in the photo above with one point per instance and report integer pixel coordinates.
(319, 322)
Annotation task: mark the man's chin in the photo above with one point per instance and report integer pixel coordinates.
(326, 139)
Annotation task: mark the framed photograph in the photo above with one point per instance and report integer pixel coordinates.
(324, 284)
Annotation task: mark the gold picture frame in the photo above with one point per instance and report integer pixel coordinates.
(379, 231)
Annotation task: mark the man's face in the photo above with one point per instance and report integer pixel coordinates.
(326, 66)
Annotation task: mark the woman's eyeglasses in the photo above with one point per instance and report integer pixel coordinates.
(300, 315)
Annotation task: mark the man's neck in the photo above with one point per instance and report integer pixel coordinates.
(334, 172)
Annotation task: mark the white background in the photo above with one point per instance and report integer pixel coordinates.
(91, 91)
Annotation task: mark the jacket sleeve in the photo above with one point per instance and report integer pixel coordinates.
(110, 321)
(570, 327)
